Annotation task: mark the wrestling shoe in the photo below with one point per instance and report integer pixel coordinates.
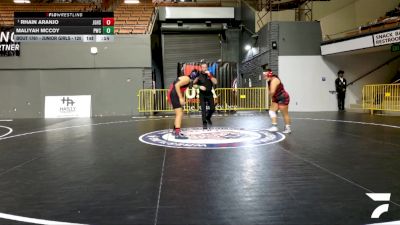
(274, 128)
(181, 136)
(287, 130)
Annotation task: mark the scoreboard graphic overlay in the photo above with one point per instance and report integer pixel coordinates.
(64, 26)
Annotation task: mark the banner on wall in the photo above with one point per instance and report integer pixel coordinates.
(385, 38)
(225, 72)
(68, 106)
(8, 46)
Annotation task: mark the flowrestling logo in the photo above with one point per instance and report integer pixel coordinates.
(380, 197)
(216, 138)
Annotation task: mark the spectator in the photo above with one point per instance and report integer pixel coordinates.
(341, 85)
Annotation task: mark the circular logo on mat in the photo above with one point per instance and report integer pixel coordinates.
(219, 137)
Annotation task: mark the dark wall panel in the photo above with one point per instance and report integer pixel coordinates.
(187, 48)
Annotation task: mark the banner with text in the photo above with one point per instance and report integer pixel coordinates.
(8, 46)
(68, 106)
(386, 38)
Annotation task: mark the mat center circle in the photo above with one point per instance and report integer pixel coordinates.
(218, 137)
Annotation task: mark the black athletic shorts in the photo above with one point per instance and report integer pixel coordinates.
(174, 99)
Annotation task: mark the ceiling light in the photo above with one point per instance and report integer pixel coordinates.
(131, 1)
(93, 50)
(22, 1)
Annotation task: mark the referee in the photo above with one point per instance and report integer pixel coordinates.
(206, 80)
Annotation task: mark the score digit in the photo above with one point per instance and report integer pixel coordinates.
(108, 21)
(108, 30)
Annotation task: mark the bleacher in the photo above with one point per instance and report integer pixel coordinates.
(129, 18)
(382, 22)
(189, 4)
(7, 9)
(133, 18)
(389, 21)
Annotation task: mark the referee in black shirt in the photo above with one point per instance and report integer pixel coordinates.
(206, 81)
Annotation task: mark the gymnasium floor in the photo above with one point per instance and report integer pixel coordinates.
(97, 171)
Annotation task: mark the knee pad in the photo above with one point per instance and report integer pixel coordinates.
(272, 114)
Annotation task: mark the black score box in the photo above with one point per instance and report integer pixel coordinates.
(53, 30)
(39, 22)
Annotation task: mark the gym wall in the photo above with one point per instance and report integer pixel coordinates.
(113, 76)
(361, 62)
(342, 15)
(302, 78)
(310, 80)
(284, 15)
(262, 53)
(292, 39)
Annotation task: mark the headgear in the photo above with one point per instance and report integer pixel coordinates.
(268, 73)
(194, 74)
